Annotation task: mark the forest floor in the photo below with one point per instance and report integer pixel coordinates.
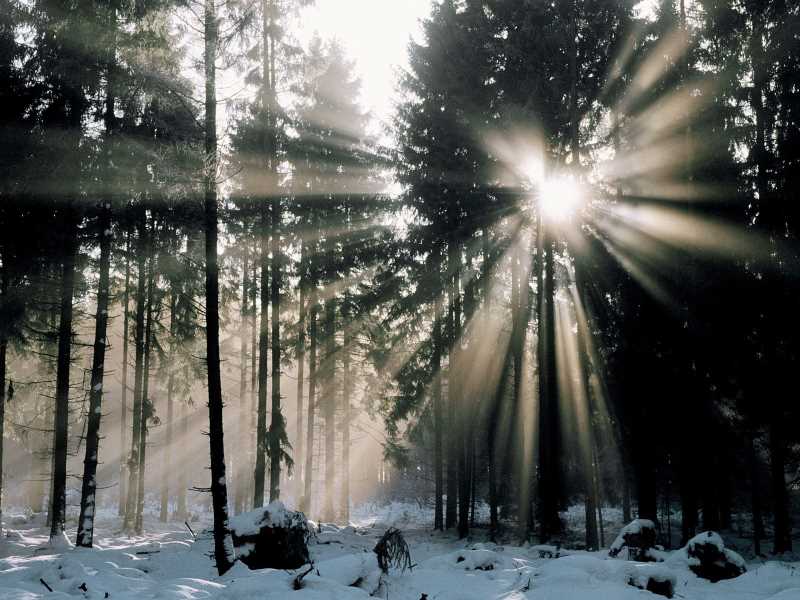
(170, 563)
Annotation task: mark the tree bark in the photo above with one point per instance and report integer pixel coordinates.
(438, 425)
(300, 349)
(263, 349)
(329, 401)
(277, 429)
(147, 405)
(58, 505)
(3, 353)
(223, 544)
(241, 471)
(89, 487)
(136, 425)
(166, 467)
(123, 425)
(347, 391)
(312, 401)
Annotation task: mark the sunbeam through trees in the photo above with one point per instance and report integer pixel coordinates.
(545, 289)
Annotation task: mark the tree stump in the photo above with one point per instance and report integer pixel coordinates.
(638, 537)
(710, 559)
(271, 537)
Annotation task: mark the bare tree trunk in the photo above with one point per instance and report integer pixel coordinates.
(89, 487)
(166, 467)
(147, 405)
(451, 506)
(347, 392)
(241, 471)
(329, 400)
(180, 509)
(123, 425)
(277, 428)
(300, 350)
(312, 401)
(139, 343)
(263, 349)
(438, 425)
(223, 545)
(58, 505)
(3, 352)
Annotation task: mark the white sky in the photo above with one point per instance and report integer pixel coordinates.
(375, 34)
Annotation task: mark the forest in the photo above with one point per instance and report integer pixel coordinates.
(549, 297)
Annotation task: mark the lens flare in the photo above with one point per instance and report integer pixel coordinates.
(559, 198)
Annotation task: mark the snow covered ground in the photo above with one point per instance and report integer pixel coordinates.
(169, 563)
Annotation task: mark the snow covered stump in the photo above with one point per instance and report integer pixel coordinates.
(271, 537)
(710, 559)
(638, 537)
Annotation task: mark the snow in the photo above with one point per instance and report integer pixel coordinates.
(169, 563)
(275, 514)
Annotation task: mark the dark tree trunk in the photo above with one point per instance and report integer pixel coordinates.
(438, 425)
(277, 428)
(312, 401)
(347, 392)
(782, 540)
(549, 435)
(147, 405)
(329, 401)
(755, 493)
(139, 343)
(123, 418)
(453, 451)
(3, 352)
(223, 544)
(89, 487)
(166, 467)
(263, 355)
(59, 504)
(180, 508)
(242, 470)
(299, 457)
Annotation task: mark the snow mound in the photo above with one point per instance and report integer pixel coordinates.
(275, 514)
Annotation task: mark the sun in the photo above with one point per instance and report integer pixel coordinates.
(560, 197)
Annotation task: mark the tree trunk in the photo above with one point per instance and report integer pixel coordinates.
(263, 349)
(180, 508)
(136, 425)
(438, 425)
(782, 541)
(166, 467)
(452, 394)
(89, 487)
(299, 458)
(223, 544)
(147, 405)
(58, 505)
(312, 405)
(241, 471)
(755, 493)
(277, 428)
(549, 435)
(329, 401)
(3, 352)
(123, 425)
(347, 392)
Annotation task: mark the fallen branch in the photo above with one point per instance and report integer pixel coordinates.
(44, 583)
(297, 584)
(189, 527)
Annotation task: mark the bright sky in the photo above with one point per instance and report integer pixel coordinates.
(375, 34)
